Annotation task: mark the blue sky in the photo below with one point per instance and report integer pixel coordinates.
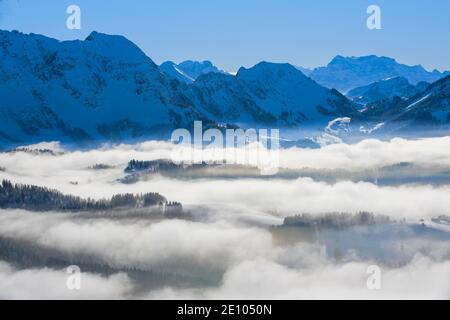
(236, 33)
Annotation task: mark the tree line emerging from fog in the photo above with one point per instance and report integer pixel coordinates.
(34, 198)
(162, 165)
(335, 220)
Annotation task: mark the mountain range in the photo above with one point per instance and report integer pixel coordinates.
(347, 73)
(104, 88)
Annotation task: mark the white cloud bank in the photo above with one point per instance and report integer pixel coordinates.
(257, 196)
(46, 283)
(252, 265)
(230, 239)
(421, 279)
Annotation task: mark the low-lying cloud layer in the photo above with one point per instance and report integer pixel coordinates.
(259, 279)
(231, 247)
(70, 173)
(46, 283)
(221, 259)
(421, 279)
(370, 153)
(138, 244)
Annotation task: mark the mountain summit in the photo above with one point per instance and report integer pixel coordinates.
(283, 90)
(188, 71)
(346, 73)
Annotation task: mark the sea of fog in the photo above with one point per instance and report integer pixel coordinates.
(235, 243)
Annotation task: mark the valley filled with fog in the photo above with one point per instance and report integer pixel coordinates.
(141, 227)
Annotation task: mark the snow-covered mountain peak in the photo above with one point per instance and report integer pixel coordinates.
(171, 69)
(200, 65)
(188, 71)
(104, 87)
(196, 68)
(283, 90)
(116, 47)
(346, 73)
(268, 70)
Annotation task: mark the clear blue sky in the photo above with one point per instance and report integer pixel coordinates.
(233, 33)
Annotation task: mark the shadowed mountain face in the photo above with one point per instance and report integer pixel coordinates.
(289, 94)
(106, 88)
(429, 108)
(386, 89)
(346, 73)
(269, 93)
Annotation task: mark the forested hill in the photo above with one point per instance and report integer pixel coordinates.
(34, 198)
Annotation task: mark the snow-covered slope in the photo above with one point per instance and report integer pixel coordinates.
(225, 98)
(268, 93)
(196, 68)
(102, 88)
(106, 88)
(386, 89)
(346, 73)
(171, 68)
(430, 108)
(283, 90)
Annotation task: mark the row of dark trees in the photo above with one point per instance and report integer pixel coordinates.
(162, 165)
(335, 220)
(151, 166)
(34, 198)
